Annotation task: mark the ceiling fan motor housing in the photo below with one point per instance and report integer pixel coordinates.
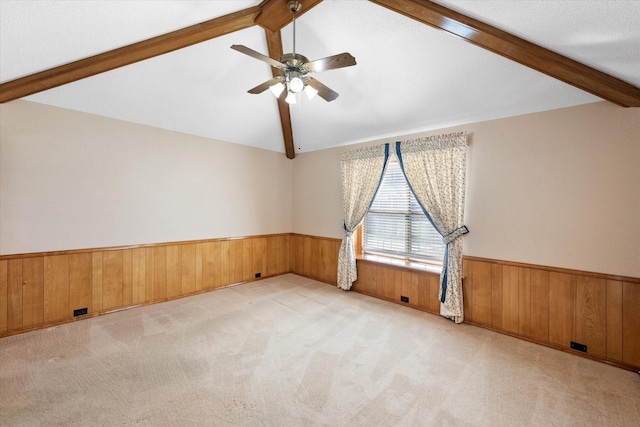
(294, 62)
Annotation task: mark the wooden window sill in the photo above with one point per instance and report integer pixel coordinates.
(401, 263)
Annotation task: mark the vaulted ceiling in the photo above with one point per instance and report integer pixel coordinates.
(420, 65)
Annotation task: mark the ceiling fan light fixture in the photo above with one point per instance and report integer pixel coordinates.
(291, 98)
(294, 68)
(310, 91)
(277, 89)
(296, 84)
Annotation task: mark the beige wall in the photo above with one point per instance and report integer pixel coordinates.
(71, 180)
(558, 188)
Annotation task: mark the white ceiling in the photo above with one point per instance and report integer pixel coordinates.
(409, 77)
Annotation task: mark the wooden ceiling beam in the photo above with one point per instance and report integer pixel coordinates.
(276, 15)
(274, 44)
(518, 50)
(129, 54)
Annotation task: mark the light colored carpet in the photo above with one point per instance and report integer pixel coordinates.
(288, 351)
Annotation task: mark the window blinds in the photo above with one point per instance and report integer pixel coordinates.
(395, 224)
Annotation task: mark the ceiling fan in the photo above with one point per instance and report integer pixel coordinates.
(296, 69)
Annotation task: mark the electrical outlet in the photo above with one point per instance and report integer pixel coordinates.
(404, 299)
(258, 275)
(80, 312)
(578, 346)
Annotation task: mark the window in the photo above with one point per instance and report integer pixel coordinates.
(395, 225)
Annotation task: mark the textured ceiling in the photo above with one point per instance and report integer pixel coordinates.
(409, 77)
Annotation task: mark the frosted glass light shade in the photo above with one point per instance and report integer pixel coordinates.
(311, 92)
(277, 89)
(296, 84)
(291, 98)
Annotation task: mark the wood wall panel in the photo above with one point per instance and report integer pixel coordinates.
(188, 269)
(32, 292)
(174, 271)
(283, 256)
(403, 287)
(424, 294)
(434, 286)
(299, 256)
(397, 288)
(562, 299)
(387, 287)
(271, 257)
(127, 277)
(96, 282)
(631, 323)
(334, 257)
(225, 262)
(236, 254)
(14, 294)
(112, 267)
(259, 257)
(496, 295)
(510, 300)
(293, 247)
(307, 257)
(467, 290)
(414, 297)
(199, 284)
(56, 288)
(211, 265)
(149, 274)
(326, 264)
(540, 304)
(524, 301)
(591, 314)
(247, 260)
(160, 273)
(315, 259)
(614, 320)
(367, 279)
(138, 276)
(3, 296)
(215, 267)
(80, 282)
(481, 273)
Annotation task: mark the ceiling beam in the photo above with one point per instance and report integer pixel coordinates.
(126, 55)
(518, 50)
(275, 13)
(274, 44)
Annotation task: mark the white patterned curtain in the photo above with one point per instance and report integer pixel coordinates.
(435, 168)
(362, 171)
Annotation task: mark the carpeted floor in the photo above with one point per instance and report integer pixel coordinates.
(288, 351)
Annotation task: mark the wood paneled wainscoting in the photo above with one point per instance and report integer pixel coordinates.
(43, 289)
(315, 257)
(545, 305)
(555, 307)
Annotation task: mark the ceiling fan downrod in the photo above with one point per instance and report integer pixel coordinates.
(294, 6)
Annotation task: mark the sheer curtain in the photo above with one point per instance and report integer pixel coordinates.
(435, 168)
(362, 171)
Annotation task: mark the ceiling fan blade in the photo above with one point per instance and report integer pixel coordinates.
(266, 85)
(323, 91)
(257, 55)
(340, 60)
